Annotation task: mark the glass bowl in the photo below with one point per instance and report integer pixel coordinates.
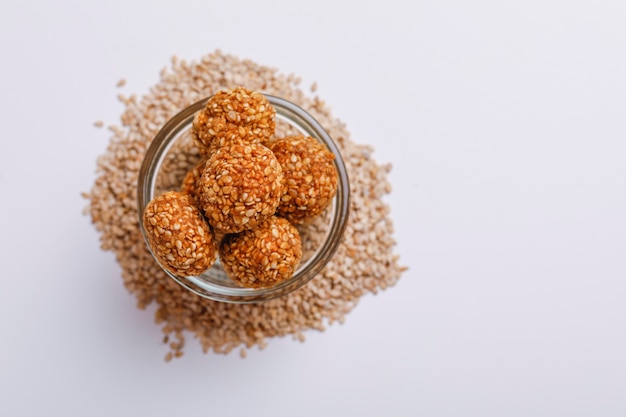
(320, 239)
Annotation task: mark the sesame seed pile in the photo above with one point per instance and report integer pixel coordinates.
(364, 263)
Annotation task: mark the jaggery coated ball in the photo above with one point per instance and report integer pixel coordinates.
(190, 182)
(178, 235)
(236, 116)
(310, 177)
(264, 256)
(240, 187)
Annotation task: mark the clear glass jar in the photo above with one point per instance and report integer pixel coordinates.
(214, 283)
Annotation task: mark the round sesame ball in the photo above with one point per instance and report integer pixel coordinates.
(190, 182)
(202, 138)
(236, 116)
(178, 234)
(310, 177)
(240, 187)
(264, 256)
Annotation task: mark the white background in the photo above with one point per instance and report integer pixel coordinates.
(506, 125)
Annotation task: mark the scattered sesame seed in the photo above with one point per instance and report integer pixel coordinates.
(364, 263)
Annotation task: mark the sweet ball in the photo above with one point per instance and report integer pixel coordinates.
(240, 187)
(310, 177)
(264, 256)
(178, 235)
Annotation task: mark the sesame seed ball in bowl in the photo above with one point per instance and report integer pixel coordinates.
(264, 256)
(320, 238)
(190, 182)
(234, 116)
(240, 187)
(310, 177)
(177, 234)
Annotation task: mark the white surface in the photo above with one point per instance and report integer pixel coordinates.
(506, 125)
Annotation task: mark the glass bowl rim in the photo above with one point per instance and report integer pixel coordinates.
(286, 110)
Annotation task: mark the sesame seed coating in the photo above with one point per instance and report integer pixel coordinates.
(200, 133)
(263, 256)
(235, 116)
(241, 186)
(310, 177)
(178, 235)
(190, 182)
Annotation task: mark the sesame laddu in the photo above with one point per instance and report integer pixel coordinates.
(240, 187)
(178, 235)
